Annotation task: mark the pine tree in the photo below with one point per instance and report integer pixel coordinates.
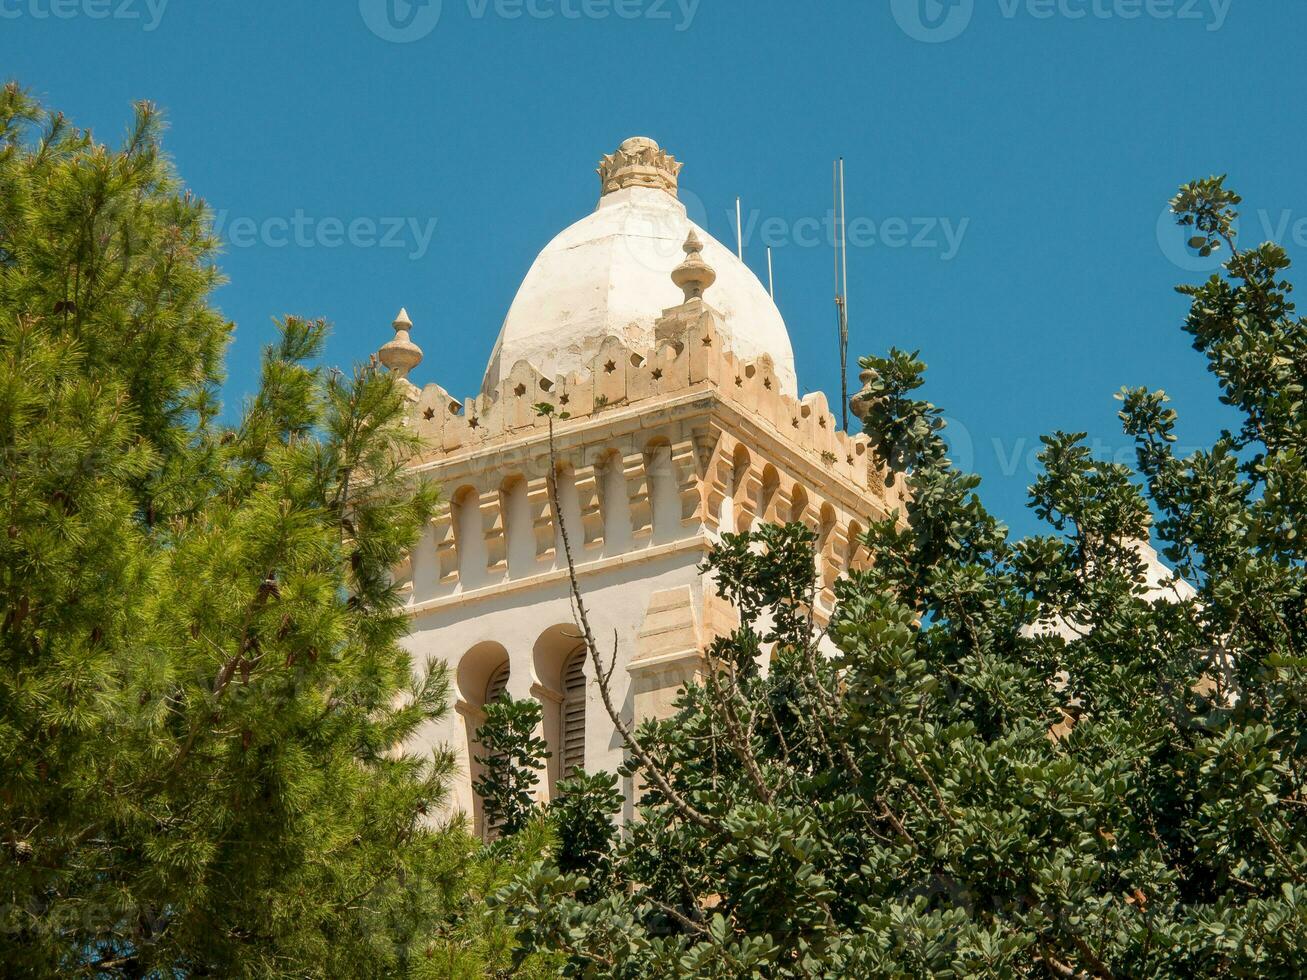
(202, 686)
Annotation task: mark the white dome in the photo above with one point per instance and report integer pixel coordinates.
(610, 275)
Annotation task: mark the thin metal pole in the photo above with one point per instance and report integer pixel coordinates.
(844, 305)
(835, 243)
(835, 229)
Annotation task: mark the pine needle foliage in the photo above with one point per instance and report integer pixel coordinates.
(202, 683)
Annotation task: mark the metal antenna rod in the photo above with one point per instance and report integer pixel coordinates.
(835, 218)
(844, 305)
(841, 272)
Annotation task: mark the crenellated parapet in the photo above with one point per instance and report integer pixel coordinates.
(655, 451)
(689, 357)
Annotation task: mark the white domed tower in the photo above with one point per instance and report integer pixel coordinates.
(610, 275)
(676, 375)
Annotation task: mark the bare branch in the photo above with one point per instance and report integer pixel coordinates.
(602, 676)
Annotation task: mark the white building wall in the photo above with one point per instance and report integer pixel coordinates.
(617, 595)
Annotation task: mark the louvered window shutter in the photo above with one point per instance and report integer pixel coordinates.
(496, 688)
(497, 684)
(573, 734)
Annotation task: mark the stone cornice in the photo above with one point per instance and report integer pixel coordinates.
(702, 403)
(557, 576)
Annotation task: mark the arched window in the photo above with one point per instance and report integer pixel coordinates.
(828, 521)
(496, 688)
(855, 555)
(497, 685)
(828, 563)
(572, 736)
(481, 678)
(771, 485)
(519, 529)
(569, 502)
(664, 499)
(741, 516)
(799, 505)
(469, 538)
(614, 504)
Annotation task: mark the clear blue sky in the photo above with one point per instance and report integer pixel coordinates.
(1026, 146)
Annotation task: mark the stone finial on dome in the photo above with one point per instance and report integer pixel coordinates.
(400, 354)
(861, 402)
(694, 275)
(639, 162)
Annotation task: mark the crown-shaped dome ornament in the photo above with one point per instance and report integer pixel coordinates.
(639, 162)
(694, 275)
